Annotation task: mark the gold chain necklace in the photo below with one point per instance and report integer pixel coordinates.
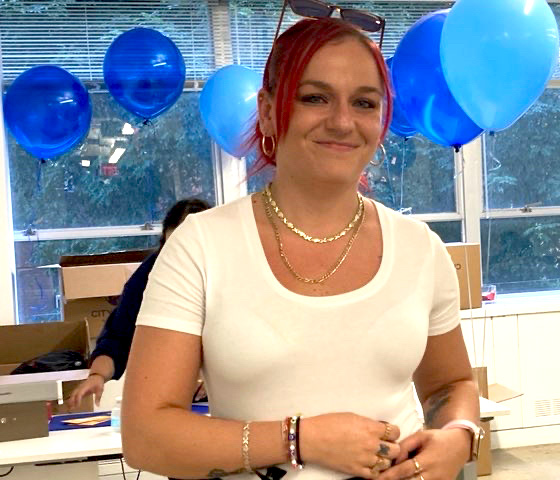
(289, 266)
(273, 205)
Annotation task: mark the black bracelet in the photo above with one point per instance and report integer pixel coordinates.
(298, 455)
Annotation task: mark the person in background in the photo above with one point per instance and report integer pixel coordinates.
(108, 360)
(311, 309)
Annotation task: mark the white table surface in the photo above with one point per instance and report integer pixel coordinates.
(102, 441)
(62, 445)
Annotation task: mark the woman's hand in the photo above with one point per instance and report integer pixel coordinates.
(440, 454)
(95, 384)
(349, 443)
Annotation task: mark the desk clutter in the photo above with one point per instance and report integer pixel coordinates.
(79, 420)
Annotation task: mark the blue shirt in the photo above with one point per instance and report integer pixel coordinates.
(115, 339)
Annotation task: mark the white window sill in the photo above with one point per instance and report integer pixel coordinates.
(516, 304)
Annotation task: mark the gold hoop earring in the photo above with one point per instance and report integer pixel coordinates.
(268, 152)
(377, 164)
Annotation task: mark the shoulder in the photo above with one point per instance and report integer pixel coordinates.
(401, 223)
(223, 217)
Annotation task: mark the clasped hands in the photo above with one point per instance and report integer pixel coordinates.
(365, 448)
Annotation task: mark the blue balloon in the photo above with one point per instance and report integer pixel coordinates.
(48, 111)
(399, 123)
(498, 56)
(144, 71)
(424, 95)
(228, 105)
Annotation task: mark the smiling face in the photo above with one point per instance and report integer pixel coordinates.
(336, 124)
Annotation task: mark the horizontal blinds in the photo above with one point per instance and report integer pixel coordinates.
(75, 34)
(253, 24)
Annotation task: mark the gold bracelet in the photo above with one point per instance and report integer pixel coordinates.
(99, 374)
(245, 448)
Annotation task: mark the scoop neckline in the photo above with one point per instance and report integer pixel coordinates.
(262, 266)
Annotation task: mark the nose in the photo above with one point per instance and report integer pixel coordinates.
(340, 119)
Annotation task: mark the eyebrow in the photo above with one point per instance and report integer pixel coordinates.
(326, 86)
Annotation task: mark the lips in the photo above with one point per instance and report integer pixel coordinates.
(338, 146)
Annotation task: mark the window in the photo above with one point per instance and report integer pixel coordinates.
(164, 161)
(38, 288)
(520, 234)
(412, 166)
(83, 194)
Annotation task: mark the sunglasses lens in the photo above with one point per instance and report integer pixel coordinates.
(366, 21)
(310, 8)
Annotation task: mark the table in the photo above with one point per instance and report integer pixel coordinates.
(64, 455)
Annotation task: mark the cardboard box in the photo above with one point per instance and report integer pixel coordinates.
(466, 258)
(92, 284)
(21, 343)
(497, 393)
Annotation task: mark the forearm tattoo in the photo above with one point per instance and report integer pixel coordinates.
(436, 402)
(218, 473)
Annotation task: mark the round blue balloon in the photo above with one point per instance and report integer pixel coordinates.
(48, 111)
(228, 104)
(399, 123)
(423, 92)
(144, 71)
(498, 56)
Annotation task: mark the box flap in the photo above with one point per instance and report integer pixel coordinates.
(500, 393)
(129, 256)
(24, 342)
(90, 281)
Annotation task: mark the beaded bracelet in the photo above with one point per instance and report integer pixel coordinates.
(293, 442)
(245, 448)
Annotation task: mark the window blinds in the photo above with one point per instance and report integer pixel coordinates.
(75, 34)
(253, 24)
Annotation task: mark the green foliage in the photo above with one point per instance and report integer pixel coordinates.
(165, 160)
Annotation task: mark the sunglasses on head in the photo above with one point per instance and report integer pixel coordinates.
(318, 9)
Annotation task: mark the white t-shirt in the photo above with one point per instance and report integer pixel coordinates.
(270, 353)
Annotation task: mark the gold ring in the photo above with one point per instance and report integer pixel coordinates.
(378, 463)
(386, 434)
(417, 468)
(420, 477)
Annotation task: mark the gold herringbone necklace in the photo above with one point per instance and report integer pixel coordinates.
(274, 206)
(287, 263)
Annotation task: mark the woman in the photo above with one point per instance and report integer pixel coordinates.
(309, 331)
(108, 360)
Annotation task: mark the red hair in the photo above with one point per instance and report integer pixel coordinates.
(284, 68)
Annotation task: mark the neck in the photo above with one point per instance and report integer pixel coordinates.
(318, 209)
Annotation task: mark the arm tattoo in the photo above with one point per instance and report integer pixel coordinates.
(217, 473)
(436, 402)
(383, 450)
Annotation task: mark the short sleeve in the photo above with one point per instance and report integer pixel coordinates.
(174, 298)
(445, 314)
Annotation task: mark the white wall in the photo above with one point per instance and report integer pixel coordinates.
(521, 352)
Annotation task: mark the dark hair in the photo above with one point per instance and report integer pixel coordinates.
(178, 212)
(286, 63)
